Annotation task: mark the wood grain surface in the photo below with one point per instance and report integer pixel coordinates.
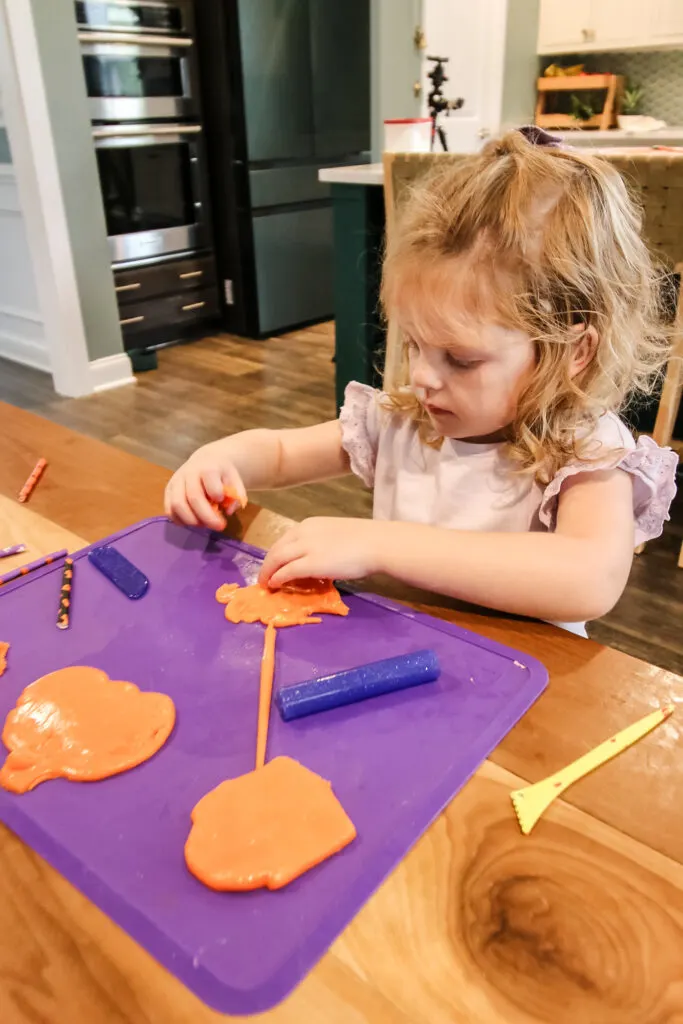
(19, 524)
(580, 923)
(478, 924)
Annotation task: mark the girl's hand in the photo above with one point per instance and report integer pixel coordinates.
(329, 548)
(200, 481)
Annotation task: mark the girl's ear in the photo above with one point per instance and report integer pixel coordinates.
(583, 348)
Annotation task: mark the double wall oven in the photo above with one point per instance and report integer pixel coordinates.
(153, 190)
(140, 65)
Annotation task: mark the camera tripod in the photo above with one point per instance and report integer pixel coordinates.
(437, 102)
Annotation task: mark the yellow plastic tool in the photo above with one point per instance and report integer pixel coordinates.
(530, 803)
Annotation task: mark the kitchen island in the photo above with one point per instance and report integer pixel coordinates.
(358, 213)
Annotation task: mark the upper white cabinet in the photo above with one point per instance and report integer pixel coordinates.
(564, 27)
(587, 25)
(666, 22)
(619, 24)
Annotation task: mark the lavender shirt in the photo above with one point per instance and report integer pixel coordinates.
(466, 486)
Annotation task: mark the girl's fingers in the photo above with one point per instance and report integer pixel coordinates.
(178, 507)
(212, 482)
(233, 481)
(201, 506)
(167, 501)
(298, 569)
(283, 551)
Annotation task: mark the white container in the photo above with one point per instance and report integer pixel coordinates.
(639, 123)
(408, 135)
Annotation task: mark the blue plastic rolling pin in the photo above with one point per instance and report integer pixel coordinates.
(357, 684)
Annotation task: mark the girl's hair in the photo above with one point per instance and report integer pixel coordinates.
(552, 239)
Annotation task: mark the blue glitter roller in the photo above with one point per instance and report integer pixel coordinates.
(357, 684)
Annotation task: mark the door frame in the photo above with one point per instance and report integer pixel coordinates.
(38, 183)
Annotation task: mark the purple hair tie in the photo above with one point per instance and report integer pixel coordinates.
(537, 137)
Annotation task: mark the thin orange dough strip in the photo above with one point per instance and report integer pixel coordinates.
(39, 469)
(265, 694)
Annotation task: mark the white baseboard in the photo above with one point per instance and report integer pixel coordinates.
(22, 338)
(22, 350)
(111, 372)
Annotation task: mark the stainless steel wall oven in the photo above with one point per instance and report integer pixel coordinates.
(152, 186)
(139, 59)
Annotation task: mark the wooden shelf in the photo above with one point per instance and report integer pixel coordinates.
(613, 85)
(574, 83)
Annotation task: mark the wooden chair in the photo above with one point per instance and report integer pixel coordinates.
(401, 170)
(656, 175)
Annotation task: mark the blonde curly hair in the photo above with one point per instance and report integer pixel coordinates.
(552, 238)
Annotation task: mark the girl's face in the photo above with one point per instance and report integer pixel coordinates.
(470, 375)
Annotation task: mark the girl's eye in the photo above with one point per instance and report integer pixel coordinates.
(460, 364)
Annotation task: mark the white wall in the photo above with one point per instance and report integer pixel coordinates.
(394, 64)
(46, 111)
(22, 332)
(521, 63)
(472, 35)
(491, 46)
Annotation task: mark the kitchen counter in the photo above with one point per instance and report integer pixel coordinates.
(669, 136)
(373, 174)
(358, 174)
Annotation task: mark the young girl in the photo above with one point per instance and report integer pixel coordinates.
(502, 475)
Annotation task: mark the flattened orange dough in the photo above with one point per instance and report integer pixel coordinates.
(79, 724)
(266, 828)
(292, 605)
(4, 648)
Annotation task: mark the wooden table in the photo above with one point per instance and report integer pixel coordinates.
(580, 923)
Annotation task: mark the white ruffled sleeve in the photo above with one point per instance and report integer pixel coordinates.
(652, 468)
(360, 426)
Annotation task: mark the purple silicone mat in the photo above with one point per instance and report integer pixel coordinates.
(394, 762)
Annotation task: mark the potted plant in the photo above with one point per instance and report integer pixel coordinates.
(581, 108)
(629, 118)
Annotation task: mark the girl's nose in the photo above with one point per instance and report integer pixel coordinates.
(425, 374)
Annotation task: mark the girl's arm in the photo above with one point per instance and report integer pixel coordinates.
(253, 460)
(574, 574)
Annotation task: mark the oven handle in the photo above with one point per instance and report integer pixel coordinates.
(175, 42)
(120, 132)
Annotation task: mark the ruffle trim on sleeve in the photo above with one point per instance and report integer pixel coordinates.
(654, 486)
(359, 427)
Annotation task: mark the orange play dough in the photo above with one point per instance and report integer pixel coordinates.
(79, 724)
(265, 694)
(292, 605)
(229, 496)
(266, 828)
(4, 648)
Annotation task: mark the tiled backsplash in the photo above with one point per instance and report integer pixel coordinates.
(660, 73)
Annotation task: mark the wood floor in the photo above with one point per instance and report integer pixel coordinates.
(223, 384)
